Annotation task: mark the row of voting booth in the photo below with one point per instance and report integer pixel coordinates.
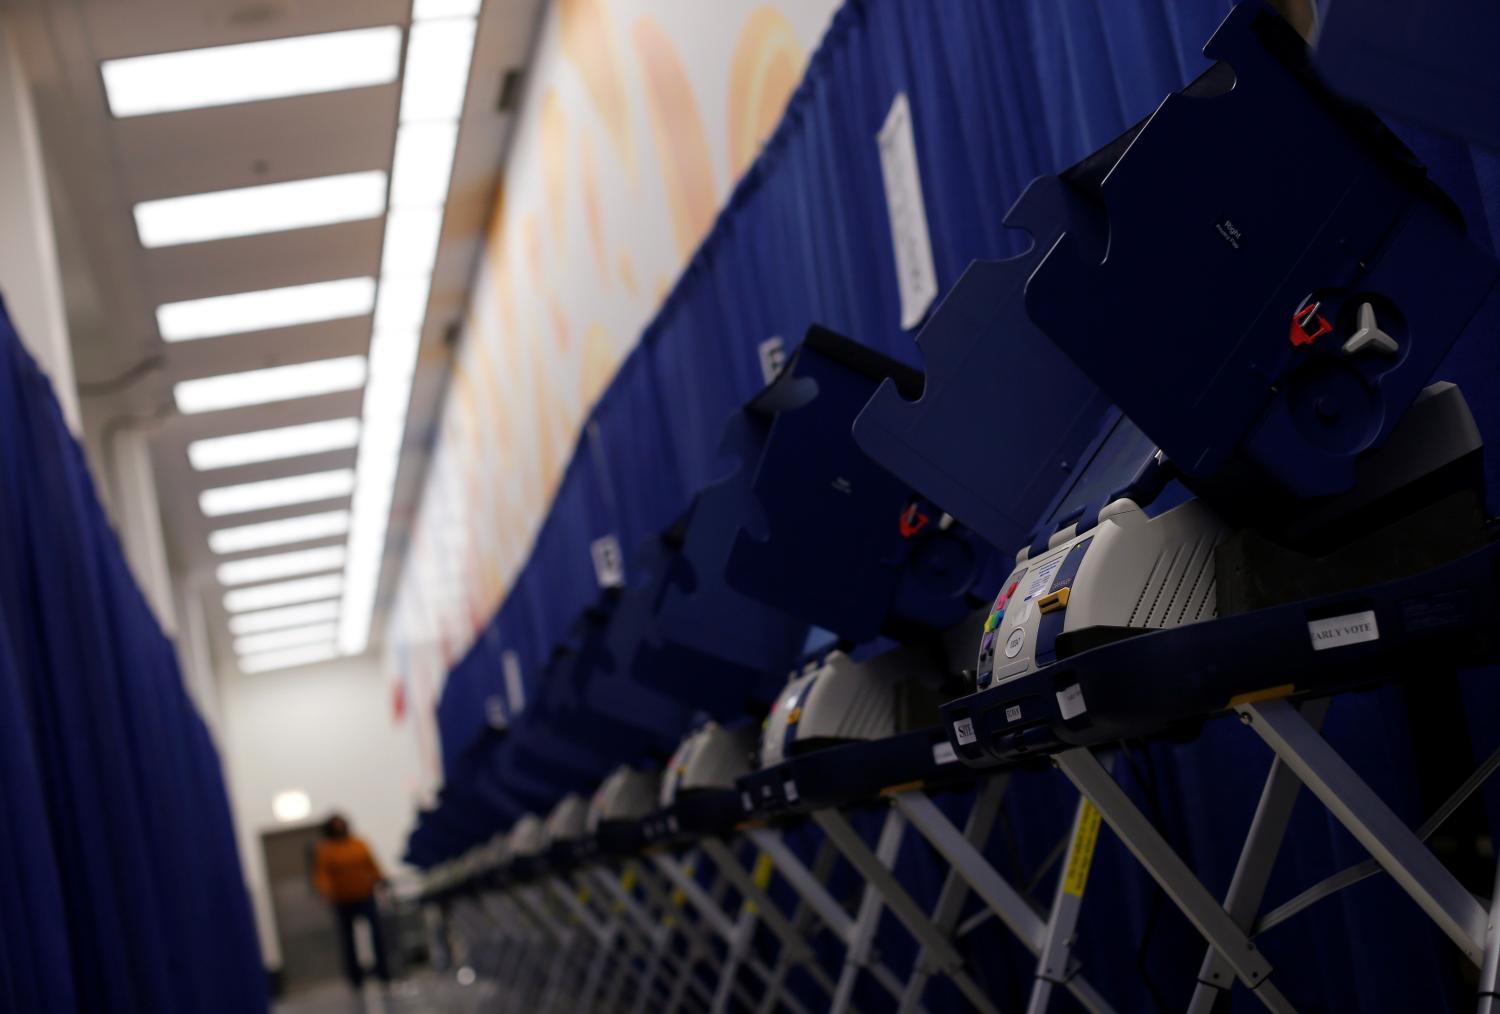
(886, 717)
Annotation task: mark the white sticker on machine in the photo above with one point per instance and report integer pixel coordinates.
(789, 789)
(963, 731)
(943, 753)
(1338, 631)
(1041, 578)
(1070, 702)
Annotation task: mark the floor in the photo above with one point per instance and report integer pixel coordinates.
(424, 993)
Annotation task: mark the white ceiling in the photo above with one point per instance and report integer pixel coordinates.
(100, 167)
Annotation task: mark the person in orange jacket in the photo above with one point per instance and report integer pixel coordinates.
(346, 874)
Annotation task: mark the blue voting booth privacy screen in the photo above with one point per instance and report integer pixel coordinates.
(120, 882)
(1000, 93)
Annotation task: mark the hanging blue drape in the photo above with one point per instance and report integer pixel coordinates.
(1000, 91)
(123, 889)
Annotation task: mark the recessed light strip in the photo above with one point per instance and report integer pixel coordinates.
(248, 72)
(273, 445)
(439, 52)
(287, 658)
(283, 593)
(270, 567)
(275, 383)
(252, 211)
(264, 309)
(291, 637)
(302, 528)
(293, 489)
(286, 616)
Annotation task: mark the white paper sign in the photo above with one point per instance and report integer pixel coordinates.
(943, 753)
(609, 561)
(772, 357)
(515, 690)
(916, 276)
(1337, 631)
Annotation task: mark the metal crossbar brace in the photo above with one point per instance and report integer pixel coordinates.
(795, 947)
(1174, 877)
(802, 917)
(876, 869)
(1349, 798)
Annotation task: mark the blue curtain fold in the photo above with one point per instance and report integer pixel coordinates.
(1000, 92)
(123, 888)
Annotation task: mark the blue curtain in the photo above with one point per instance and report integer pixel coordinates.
(122, 887)
(1000, 92)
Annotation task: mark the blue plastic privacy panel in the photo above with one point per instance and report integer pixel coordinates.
(1247, 227)
(1004, 415)
(827, 534)
(1431, 66)
(685, 634)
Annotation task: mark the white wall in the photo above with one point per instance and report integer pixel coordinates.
(327, 730)
(29, 277)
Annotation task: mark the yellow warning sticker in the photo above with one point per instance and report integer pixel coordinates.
(1081, 857)
(763, 871)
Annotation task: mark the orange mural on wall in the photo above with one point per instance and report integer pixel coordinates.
(555, 163)
(681, 143)
(768, 63)
(589, 40)
(589, 174)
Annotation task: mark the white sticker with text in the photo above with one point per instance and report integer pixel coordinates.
(1337, 631)
(916, 274)
(963, 731)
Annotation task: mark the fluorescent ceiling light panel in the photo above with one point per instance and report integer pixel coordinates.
(275, 383)
(303, 528)
(250, 211)
(264, 309)
(268, 568)
(425, 9)
(291, 637)
(293, 489)
(273, 445)
(411, 241)
(437, 70)
(286, 659)
(287, 616)
(423, 164)
(283, 593)
(249, 72)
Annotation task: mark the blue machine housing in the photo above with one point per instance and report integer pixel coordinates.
(826, 533)
(1246, 223)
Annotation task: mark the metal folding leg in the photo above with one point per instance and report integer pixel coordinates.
(1050, 939)
(955, 888)
(695, 936)
(716, 920)
(1253, 871)
(1392, 844)
(646, 937)
(801, 920)
(1489, 971)
(1166, 867)
(760, 908)
(811, 887)
(875, 867)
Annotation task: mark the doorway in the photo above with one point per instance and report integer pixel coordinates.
(304, 924)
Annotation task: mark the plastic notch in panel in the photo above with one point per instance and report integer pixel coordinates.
(1004, 415)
